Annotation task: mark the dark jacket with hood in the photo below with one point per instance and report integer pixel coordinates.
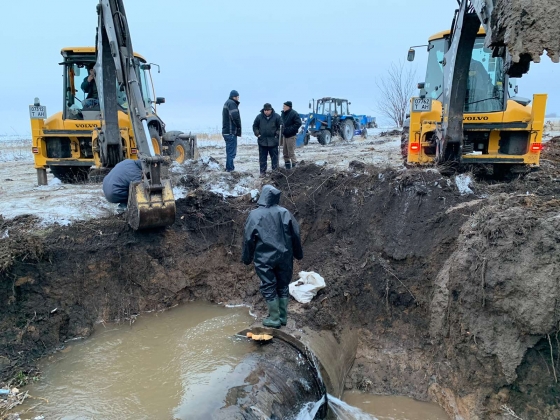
(231, 120)
(291, 122)
(272, 235)
(267, 128)
(116, 183)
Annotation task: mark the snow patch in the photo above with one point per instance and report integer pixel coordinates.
(463, 183)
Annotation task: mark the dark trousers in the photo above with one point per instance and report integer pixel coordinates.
(274, 281)
(231, 150)
(264, 152)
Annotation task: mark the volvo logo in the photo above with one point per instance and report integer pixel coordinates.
(475, 118)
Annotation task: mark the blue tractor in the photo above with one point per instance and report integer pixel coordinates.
(331, 117)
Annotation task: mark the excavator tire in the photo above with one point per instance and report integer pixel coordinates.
(150, 209)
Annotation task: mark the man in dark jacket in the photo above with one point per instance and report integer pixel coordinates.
(231, 128)
(291, 123)
(267, 130)
(117, 181)
(272, 239)
(90, 88)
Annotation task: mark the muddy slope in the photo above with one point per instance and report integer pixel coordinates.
(398, 250)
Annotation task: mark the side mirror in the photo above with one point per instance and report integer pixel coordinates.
(421, 85)
(145, 67)
(349, 103)
(309, 105)
(411, 54)
(160, 100)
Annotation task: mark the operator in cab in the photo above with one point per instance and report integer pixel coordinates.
(117, 182)
(90, 88)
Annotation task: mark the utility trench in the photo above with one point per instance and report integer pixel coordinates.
(450, 298)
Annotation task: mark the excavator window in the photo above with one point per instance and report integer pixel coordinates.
(81, 95)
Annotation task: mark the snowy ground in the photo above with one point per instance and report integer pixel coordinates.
(65, 203)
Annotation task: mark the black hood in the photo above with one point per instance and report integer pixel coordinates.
(270, 196)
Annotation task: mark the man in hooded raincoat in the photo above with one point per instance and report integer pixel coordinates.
(272, 240)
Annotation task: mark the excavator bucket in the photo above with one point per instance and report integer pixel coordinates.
(150, 209)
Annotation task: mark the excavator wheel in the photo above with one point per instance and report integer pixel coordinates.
(156, 140)
(147, 209)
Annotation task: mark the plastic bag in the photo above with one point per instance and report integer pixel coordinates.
(305, 289)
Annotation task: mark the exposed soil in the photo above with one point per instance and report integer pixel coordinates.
(455, 296)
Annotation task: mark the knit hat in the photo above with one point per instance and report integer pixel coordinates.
(233, 94)
(288, 103)
(267, 106)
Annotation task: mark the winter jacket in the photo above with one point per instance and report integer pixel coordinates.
(117, 181)
(267, 128)
(231, 120)
(291, 122)
(90, 88)
(271, 236)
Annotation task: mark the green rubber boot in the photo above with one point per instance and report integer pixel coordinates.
(284, 310)
(273, 319)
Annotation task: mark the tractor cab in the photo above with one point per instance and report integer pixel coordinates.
(332, 106)
(81, 99)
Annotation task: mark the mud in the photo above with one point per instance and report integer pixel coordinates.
(527, 28)
(454, 296)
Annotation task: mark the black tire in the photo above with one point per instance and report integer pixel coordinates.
(70, 174)
(306, 140)
(347, 130)
(325, 137)
(179, 151)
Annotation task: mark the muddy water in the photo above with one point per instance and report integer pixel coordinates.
(395, 408)
(173, 365)
(177, 364)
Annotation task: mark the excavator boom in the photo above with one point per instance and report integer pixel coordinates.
(150, 202)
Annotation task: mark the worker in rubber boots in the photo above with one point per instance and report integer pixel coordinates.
(291, 123)
(272, 240)
(117, 181)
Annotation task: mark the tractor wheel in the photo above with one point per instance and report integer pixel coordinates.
(70, 174)
(325, 137)
(306, 140)
(179, 151)
(347, 130)
(156, 140)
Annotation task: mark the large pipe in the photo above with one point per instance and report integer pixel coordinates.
(289, 375)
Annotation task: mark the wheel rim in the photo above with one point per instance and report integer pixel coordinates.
(347, 131)
(327, 138)
(180, 153)
(155, 144)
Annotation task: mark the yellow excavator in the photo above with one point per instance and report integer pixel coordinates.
(116, 120)
(467, 110)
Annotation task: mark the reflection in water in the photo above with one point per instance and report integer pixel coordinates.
(394, 408)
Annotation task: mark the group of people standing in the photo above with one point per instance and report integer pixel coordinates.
(272, 131)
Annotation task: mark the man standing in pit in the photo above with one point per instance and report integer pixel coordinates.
(272, 240)
(291, 123)
(267, 130)
(231, 128)
(117, 182)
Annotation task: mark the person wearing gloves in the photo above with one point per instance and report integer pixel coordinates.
(231, 128)
(272, 240)
(267, 130)
(291, 122)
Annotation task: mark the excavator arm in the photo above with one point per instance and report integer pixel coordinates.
(517, 30)
(150, 202)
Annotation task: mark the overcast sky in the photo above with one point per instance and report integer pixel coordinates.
(268, 51)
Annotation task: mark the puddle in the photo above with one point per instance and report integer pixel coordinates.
(394, 408)
(177, 364)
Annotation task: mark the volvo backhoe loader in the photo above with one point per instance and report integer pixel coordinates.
(150, 202)
(467, 110)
